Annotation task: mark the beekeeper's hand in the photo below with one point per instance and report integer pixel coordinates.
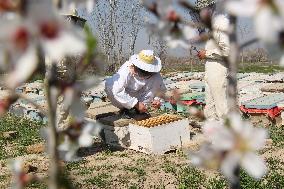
(173, 101)
(175, 96)
(156, 104)
(141, 107)
(201, 54)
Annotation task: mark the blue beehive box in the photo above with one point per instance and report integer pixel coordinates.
(168, 106)
(265, 102)
(242, 75)
(181, 108)
(193, 96)
(200, 86)
(34, 115)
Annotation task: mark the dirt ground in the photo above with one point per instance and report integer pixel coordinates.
(104, 167)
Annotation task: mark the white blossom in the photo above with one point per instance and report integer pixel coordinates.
(236, 142)
(176, 43)
(76, 136)
(264, 13)
(206, 157)
(23, 69)
(72, 97)
(268, 17)
(41, 27)
(73, 103)
(20, 178)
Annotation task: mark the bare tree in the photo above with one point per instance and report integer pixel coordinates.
(159, 46)
(255, 55)
(117, 26)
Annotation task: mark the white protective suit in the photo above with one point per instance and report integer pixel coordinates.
(124, 89)
(215, 72)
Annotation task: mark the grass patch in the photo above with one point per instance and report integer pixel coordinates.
(123, 154)
(187, 177)
(107, 152)
(190, 178)
(277, 135)
(200, 67)
(75, 165)
(142, 161)
(101, 180)
(247, 182)
(259, 68)
(85, 171)
(37, 77)
(27, 133)
(169, 168)
(273, 179)
(245, 67)
(104, 167)
(3, 177)
(138, 170)
(216, 183)
(38, 185)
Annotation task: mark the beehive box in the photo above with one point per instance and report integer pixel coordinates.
(115, 129)
(265, 102)
(158, 135)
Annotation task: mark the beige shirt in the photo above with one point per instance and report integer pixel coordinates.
(220, 24)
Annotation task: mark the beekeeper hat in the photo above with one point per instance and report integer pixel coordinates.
(200, 4)
(145, 60)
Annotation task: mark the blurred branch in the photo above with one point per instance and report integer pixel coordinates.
(247, 43)
(54, 169)
(57, 3)
(187, 5)
(236, 184)
(232, 67)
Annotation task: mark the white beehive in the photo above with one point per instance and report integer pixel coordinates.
(157, 139)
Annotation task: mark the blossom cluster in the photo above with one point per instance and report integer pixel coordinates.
(230, 144)
(35, 37)
(264, 13)
(182, 23)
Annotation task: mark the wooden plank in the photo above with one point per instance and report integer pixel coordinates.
(273, 87)
(115, 120)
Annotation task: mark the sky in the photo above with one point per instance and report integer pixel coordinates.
(245, 32)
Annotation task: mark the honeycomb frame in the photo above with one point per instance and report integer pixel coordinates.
(159, 120)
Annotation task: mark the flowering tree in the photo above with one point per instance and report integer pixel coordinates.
(34, 29)
(232, 143)
(31, 30)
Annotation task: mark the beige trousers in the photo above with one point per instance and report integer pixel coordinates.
(216, 95)
(66, 68)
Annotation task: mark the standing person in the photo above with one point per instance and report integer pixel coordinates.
(216, 72)
(137, 85)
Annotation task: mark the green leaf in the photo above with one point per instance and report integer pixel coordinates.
(91, 44)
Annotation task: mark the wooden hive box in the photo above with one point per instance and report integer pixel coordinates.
(159, 134)
(115, 129)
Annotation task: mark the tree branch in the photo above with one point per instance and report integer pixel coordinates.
(247, 43)
(54, 170)
(232, 67)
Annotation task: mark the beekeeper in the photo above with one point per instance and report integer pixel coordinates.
(216, 73)
(137, 84)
